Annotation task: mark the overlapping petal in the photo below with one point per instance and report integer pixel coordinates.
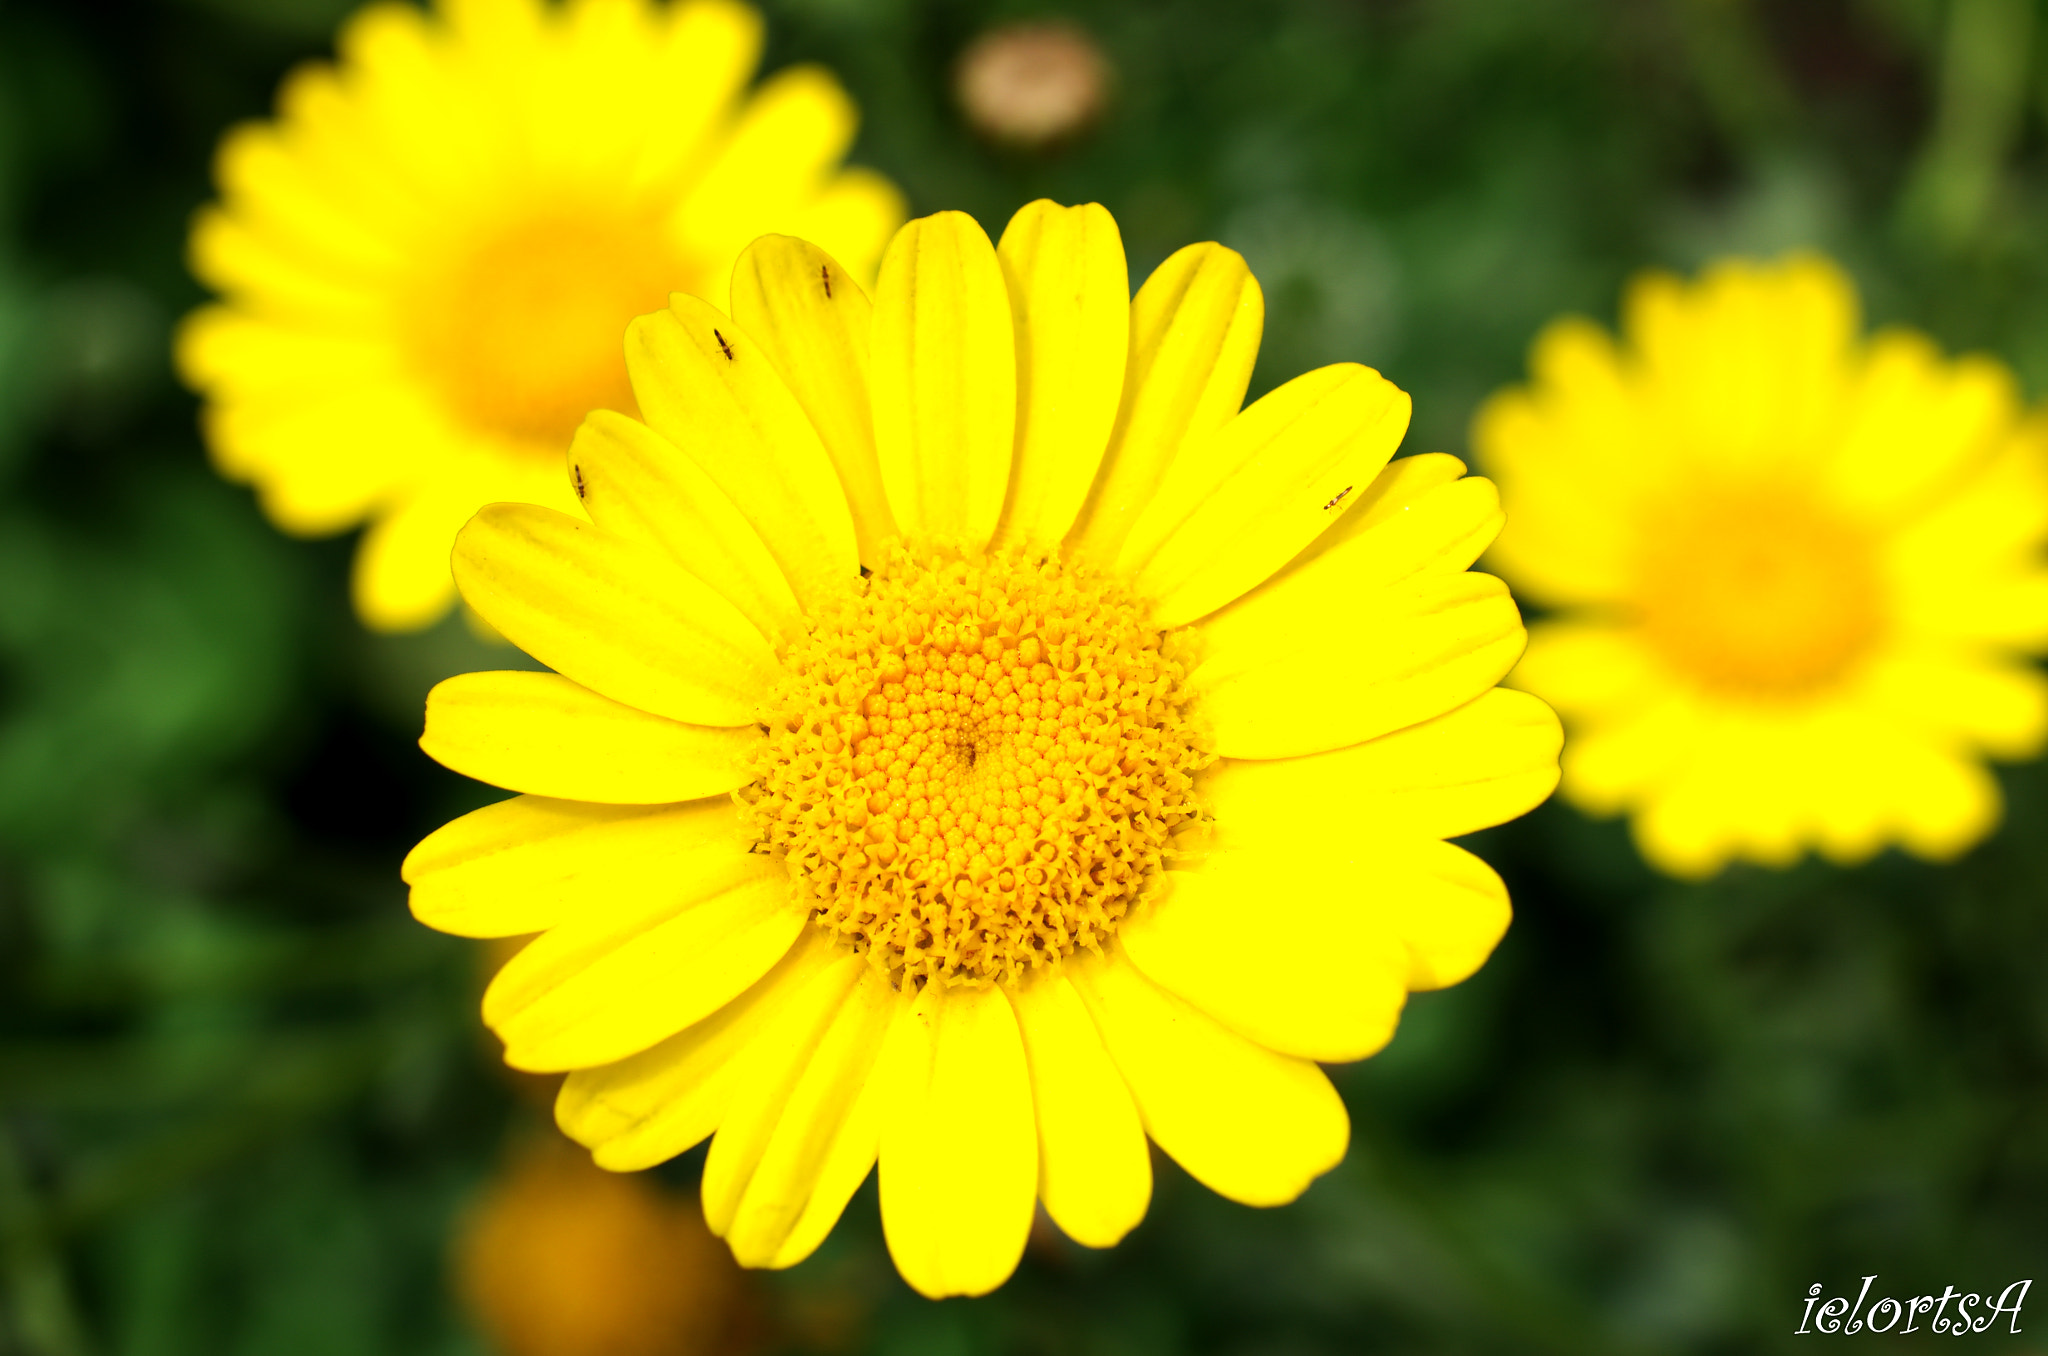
(1246, 1122)
(944, 379)
(1477, 765)
(801, 1129)
(1094, 1172)
(542, 734)
(649, 1107)
(622, 621)
(1070, 299)
(529, 863)
(613, 980)
(709, 388)
(814, 321)
(956, 1109)
(635, 484)
(1195, 328)
(1237, 504)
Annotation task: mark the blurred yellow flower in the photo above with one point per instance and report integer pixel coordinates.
(1795, 570)
(973, 742)
(428, 259)
(560, 1258)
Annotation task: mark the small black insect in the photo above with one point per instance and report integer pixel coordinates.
(825, 272)
(1340, 496)
(723, 347)
(577, 472)
(865, 571)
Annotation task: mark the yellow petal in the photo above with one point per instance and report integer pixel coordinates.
(1414, 517)
(238, 257)
(1968, 566)
(1397, 488)
(959, 1152)
(704, 923)
(1291, 949)
(1246, 1122)
(1070, 298)
(401, 580)
(852, 219)
(709, 387)
(813, 322)
(1094, 1171)
(544, 735)
(1948, 804)
(1449, 907)
(1586, 668)
(1997, 705)
(619, 619)
(1747, 367)
(787, 140)
(944, 380)
(1915, 423)
(1243, 501)
(792, 1116)
(1313, 667)
(283, 194)
(647, 1108)
(1481, 764)
(709, 49)
(635, 484)
(1195, 328)
(529, 863)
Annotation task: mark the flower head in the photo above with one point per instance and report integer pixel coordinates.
(974, 742)
(427, 260)
(1795, 569)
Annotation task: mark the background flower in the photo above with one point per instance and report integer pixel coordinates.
(1797, 572)
(428, 257)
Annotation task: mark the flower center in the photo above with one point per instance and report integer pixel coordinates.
(524, 332)
(976, 763)
(1757, 590)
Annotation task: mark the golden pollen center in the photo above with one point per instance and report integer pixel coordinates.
(1758, 591)
(522, 330)
(976, 763)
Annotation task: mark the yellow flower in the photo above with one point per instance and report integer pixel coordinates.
(428, 259)
(975, 742)
(560, 1259)
(1795, 569)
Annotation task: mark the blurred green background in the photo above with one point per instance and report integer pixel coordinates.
(242, 1095)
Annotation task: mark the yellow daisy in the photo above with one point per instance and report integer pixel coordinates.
(427, 260)
(1795, 570)
(974, 742)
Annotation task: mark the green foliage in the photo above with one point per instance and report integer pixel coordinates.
(242, 1095)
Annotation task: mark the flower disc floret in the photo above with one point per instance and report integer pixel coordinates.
(977, 763)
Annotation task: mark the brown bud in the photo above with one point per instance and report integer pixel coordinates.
(1032, 85)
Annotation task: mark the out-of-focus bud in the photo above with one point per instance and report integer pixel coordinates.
(1033, 85)
(562, 1258)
